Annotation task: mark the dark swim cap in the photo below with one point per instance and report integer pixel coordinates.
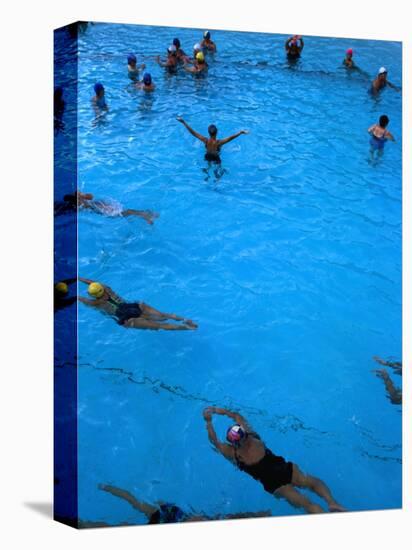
(98, 87)
(176, 42)
(131, 58)
(147, 79)
(206, 35)
(383, 121)
(212, 130)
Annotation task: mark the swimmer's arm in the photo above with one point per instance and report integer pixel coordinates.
(224, 448)
(160, 62)
(231, 138)
(287, 43)
(86, 281)
(193, 132)
(88, 302)
(390, 136)
(371, 129)
(238, 418)
(393, 86)
(301, 44)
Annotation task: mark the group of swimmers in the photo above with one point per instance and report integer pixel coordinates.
(243, 446)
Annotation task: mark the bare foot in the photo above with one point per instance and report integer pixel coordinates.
(379, 360)
(190, 324)
(381, 373)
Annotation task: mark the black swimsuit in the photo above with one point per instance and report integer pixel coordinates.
(125, 311)
(272, 471)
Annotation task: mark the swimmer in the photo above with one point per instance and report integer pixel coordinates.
(348, 61)
(212, 144)
(379, 136)
(146, 85)
(207, 43)
(86, 201)
(381, 81)
(99, 100)
(180, 54)
(131, 314)
(171, 62)
(61, 294)
(199, 64)
(132, 67)
(170, 513)
(246, 450)
(294, 46)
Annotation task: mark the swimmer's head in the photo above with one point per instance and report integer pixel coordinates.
(147, 79)
(96, 290)
(176, 43)
(206, 35)
(99, 88)
(236, 435)
(197, 47)
(349, 52)
(131, 59)
(383, 121)
(61, 288)
(200, 57)
(212, 130)
(172, 49)
(382, 71)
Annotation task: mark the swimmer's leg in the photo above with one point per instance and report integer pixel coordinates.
(297, 500)
(143, 507)
(316, 485)
(156, 315)
(147, 215)
(394, 393)
(141, 323)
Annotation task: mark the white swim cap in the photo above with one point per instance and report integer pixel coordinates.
(382, 70)
(197, 47)
(172, 48)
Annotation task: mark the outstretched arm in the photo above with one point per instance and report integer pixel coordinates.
(231, 138)
(225, 449)
(143, 507)
(301, 43)
(238, 418)
(396, 88)
(193, 132)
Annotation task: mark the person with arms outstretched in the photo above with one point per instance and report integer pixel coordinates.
(131, 314)
(212, 144)
(246, 450)
(170, 513)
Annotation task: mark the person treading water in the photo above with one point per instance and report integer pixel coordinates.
(246, 450)
(294, 46)
(379, 136)
(212, 144)
(131, 314)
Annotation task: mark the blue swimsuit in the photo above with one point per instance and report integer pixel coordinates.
(378, 143)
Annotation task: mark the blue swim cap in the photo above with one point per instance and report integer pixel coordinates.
(98, 87)
(147, 79)
(131, 58)
(176, 42)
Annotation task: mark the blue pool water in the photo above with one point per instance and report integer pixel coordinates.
(290, 262)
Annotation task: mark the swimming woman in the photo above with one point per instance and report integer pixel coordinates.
(294, 46)
(207, 43)
(131, 314)
(246, 450)
(132, 68)
(379, 135)
(171, 62)
(99, 100)
(146, 85)
(170, 513)
(199, 64)
(381, 81)
(86, 201)
(212, 144)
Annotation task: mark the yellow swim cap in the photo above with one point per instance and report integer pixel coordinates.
(200, 57)
(61, 288)
(96, 290)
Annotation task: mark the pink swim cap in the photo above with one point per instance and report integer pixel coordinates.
(349, 51)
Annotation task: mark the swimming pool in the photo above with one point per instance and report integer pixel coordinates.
(288, 258)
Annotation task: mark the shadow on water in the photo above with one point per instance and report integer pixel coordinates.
(45, 509)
